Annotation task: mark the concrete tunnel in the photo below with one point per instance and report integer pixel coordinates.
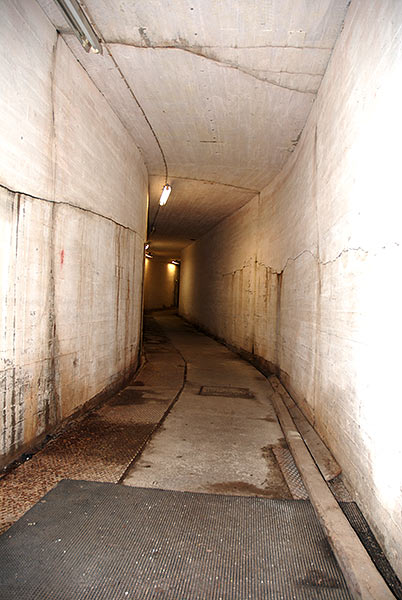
(277, 126)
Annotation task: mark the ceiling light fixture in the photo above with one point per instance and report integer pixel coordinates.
(79, 23)
(175, 262)
(165, 194)
(148, 255)
(146, 245)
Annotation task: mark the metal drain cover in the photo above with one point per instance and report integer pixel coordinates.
(225, 391)
(290, 473)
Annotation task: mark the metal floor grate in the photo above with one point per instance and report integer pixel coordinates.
(290, 472)
(226, 391)
(104, 541)
(366, 536)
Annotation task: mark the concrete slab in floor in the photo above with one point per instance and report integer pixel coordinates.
(213, 443)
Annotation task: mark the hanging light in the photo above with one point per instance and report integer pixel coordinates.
(79, 23)
(165, 195)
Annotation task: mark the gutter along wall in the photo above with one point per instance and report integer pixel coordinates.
(306, 277)
(73, 193)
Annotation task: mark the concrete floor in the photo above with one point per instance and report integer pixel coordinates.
(161, 432)
(101, 444)
(217, 440)
(195, 417)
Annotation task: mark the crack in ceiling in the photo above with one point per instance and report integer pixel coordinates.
(236, 187)
(230, 65)
(224, 136)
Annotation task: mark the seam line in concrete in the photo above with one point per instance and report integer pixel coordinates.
(229, 65)
(124, 79)
(71, 205)
(209, 47)
(159, 424)
(211, 182)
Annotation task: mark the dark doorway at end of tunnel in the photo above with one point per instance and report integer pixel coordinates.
(176, 291)
(161, 283)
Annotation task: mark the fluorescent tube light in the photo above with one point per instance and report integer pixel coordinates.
(165, 195)
(79, 23)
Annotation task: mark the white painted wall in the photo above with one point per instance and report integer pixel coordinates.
(306, 276)
(73, 197)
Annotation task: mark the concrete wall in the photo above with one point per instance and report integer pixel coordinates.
(307, 275)
(160, 279)
(73, 195)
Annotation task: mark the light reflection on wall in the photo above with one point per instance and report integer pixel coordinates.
(159, 283)
(376, 218)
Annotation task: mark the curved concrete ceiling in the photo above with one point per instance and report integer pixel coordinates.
(227, 86)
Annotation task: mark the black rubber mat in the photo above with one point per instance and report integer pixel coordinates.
(106, 541)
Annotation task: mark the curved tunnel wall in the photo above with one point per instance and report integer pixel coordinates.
(73, 191)
(306, 277)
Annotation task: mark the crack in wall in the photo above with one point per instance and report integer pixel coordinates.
(327, 262)
(246, 265)
(290, 259)
(279, 275)
(72, 205)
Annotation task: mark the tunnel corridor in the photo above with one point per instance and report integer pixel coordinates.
(158, 437)
(200, 247)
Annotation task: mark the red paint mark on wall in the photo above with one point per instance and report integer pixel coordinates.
(62, 257)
